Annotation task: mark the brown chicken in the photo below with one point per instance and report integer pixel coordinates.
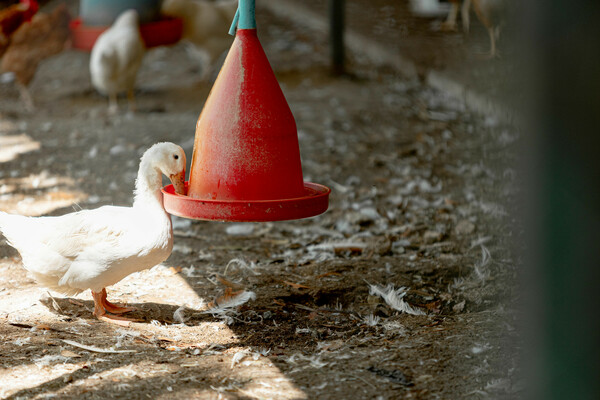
(450, 23)
(489, 12)
(43, 37)
(12, 17)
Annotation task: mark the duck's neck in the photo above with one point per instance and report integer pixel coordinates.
(148, 184)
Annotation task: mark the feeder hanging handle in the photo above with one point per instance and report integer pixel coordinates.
(244, 17)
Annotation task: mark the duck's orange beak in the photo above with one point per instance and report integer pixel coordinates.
(178, 181)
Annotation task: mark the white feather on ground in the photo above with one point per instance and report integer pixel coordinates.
(394, 298)
(231, 302)
(179, 315)
(239, 356)
(95, 349)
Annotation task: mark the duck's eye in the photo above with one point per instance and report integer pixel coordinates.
(175, 156)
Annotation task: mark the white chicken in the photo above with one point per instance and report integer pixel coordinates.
(205, 26)
(93, 249)
(116, 58)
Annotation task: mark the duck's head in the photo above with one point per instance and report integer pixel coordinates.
(169, 159)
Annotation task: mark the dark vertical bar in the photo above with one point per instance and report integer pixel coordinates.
(336, 35)
(563, 345)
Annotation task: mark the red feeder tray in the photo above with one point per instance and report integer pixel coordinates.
(314, 202)
(164, 32)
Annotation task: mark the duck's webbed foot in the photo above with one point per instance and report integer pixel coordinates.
(112, 307)
(105, 310)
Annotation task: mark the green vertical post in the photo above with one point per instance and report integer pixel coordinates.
(336, 35)
(563, 204)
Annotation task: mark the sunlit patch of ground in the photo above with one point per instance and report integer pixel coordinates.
(36, 325)
(34, 194)
(38, 194)
(13, 145)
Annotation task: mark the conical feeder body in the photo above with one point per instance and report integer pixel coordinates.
(246, 161)
(246, 143)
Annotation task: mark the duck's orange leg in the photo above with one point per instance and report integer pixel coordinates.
(113, 308)
(102, 306)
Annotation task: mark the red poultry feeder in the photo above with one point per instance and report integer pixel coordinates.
(246, 160)
(164, 32)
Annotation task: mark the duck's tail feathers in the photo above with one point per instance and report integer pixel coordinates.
(14, 228)
(51, 282)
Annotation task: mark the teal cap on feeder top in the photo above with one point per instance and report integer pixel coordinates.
(244, 17)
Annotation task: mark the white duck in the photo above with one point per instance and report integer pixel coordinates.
(93, 249)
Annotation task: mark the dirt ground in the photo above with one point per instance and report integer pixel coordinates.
(421, 196)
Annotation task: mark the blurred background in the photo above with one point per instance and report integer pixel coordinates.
(426, 70)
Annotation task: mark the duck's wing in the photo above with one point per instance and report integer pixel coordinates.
(48, 245)
(108, 252)
(71, 234)
(88, 248)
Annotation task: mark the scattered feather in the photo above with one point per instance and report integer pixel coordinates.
(7, 77)
(370, 213)
(239, 229)
(481, 272)
(179, 316)
(371, 320)
(125, 336)
(228, 303)
(251, 267)
(183, 249)
(314, 361)
(261, 352)
(422, 185)
(49, 360)
(181, 223)
(338, 187)
(122, 387)
(339, 246)
(237, 357)
(22, 341)
(189, 272)
(480, 241)
(394, 298)
(480, 348)
(457, 283)
(395, 326)
(94, 348)
(499, 385)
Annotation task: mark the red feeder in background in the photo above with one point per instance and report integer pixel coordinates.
(96, 16)
(246, 161)
(164, 32)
